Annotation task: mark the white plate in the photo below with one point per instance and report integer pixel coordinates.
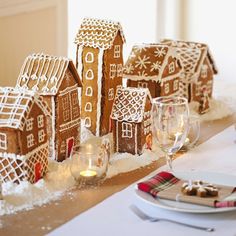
(215, 178)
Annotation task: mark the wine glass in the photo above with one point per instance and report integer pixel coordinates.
(170, 124)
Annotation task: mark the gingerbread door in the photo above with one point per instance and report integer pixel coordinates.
(37, 171)
(69, 147)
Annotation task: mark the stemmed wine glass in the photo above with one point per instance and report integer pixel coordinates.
(170, 124)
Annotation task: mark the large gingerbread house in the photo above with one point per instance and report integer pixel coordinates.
(153, 66)
(99, 61)
(24, 145)
(131, 120)
(198, 69)
(57, 80)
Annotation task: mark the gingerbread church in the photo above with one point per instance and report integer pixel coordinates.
(154, 66)
(131, 120)
(198, 71)
(24, 145)
(57, 80)
(99, 61)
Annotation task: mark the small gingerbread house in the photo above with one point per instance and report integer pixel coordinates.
(198, 69)
(100, 64)
(57, 80)
(24, 145)
(131, 120)
(153, 66)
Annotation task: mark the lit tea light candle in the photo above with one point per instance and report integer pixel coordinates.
(187, 141)
(88, 173)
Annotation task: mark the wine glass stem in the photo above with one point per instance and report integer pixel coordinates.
(169, 161)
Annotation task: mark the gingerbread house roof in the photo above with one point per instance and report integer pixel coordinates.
(129, 104)
(44, 73)
(192, 56)
(15, 105)
(98, 33)
(147, 61)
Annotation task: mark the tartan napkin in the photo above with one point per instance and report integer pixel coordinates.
(166, 185)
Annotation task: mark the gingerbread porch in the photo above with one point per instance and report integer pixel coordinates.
(99, 61)
(24, 145)
(153, 66)
(131, 120)
(56, 79)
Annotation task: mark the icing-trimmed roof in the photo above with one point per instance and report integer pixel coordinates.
(98, 33)
(192, 55)
(44, 73)
(15, 105)
(129, 104)
(147, 61)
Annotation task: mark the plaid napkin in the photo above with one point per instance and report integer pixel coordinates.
(166, 185)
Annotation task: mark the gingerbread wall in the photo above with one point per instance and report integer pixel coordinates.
(205, 80)
(34, 113)
(91, 83)
(109, 83)
(12, 140)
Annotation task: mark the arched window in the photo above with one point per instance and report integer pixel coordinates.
(87, 122)
(88, 106)
(89, 58)
(89, 91)
(89, 74)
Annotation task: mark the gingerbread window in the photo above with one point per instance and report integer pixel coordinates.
(112, 71)
(176, 85)
(88, 107)
(89, 91)
(40, 120)
(87, 122)
(3, 141)
(65, 102)
(41, 136)
(116, 51)
(142, 84)
(209, 86)
(167, 88)
(29, 124)
(30, 140)
(66, 115)
(75, 111)
(74, 98)
(89, 58)
(119, 70)
(204, 71)
(111, 94)
(198, 88)
(171, 67)
(89, 75)
(127, 131)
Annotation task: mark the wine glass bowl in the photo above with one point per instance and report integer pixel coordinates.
(170, 124)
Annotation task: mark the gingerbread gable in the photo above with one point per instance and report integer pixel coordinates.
(98, 33)
(192, 56)
(16, 104)
(44, 73)
(148, 62)
(129, 104)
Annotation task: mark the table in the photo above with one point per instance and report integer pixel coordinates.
(42, 220)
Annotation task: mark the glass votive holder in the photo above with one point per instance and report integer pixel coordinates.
(89, 165)
(193, 133)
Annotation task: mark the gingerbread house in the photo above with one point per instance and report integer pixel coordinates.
(131, 120)
(153, 66)
(57, 80)
(24, 145)
(99, 61)
(198, 70)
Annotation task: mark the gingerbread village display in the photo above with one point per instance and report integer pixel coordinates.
(99, 60)
(47, 92)
(24, 146)
(56, 79)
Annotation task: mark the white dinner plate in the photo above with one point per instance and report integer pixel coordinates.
(215, 178)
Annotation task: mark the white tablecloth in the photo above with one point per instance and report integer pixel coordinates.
(113, 216)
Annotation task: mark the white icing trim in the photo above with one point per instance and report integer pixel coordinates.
(69, 125)
(117, 136)
(126, 130)
(80, 64)
(99, 99)
(68, 89)
(135, 139)
(53, 134)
